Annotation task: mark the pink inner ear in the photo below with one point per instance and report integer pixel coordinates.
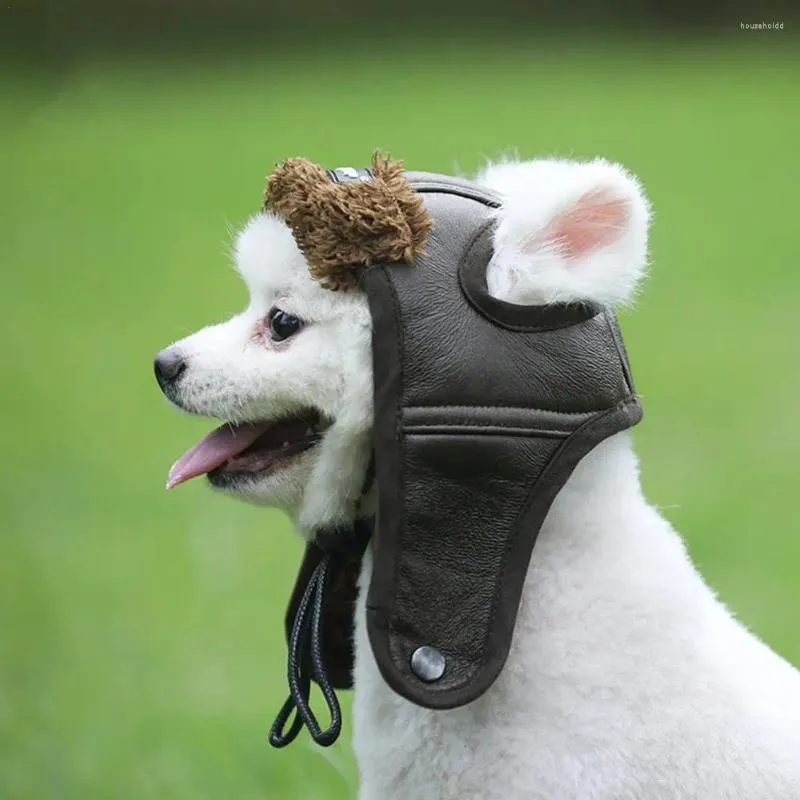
(596, 220)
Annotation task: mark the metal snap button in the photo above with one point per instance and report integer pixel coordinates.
(428, 663)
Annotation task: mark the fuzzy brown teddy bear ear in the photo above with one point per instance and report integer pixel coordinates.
(343, 227)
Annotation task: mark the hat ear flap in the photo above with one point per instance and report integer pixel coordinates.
(343, 227)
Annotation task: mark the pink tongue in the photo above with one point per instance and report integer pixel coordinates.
(224, 443)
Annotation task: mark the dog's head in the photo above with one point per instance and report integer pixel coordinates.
(290, 377)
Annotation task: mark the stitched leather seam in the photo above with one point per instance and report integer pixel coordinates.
(506, 408)
(623, 358)
(482, 429)
(391, 632)
(432, 187)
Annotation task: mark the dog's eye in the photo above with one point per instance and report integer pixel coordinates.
(282, 325)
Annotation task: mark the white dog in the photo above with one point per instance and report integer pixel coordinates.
(627, 678)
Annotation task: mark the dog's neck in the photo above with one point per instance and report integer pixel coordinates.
(588, 522)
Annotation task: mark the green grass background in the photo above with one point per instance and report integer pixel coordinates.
(141, 652)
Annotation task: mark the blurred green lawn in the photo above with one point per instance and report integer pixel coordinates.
(141, 650)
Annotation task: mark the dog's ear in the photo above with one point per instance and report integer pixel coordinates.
(567, 231)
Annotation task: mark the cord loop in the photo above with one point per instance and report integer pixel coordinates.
(306, 645)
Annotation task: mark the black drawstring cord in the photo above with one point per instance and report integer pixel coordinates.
(305, 641)
(309, 621)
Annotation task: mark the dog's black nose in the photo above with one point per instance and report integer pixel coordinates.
(169, 366)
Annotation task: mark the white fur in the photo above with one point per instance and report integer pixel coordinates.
(627, 679)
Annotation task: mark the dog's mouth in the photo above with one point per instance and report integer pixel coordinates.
(248, 449)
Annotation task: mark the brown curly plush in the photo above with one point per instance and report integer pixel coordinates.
(343, 227)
